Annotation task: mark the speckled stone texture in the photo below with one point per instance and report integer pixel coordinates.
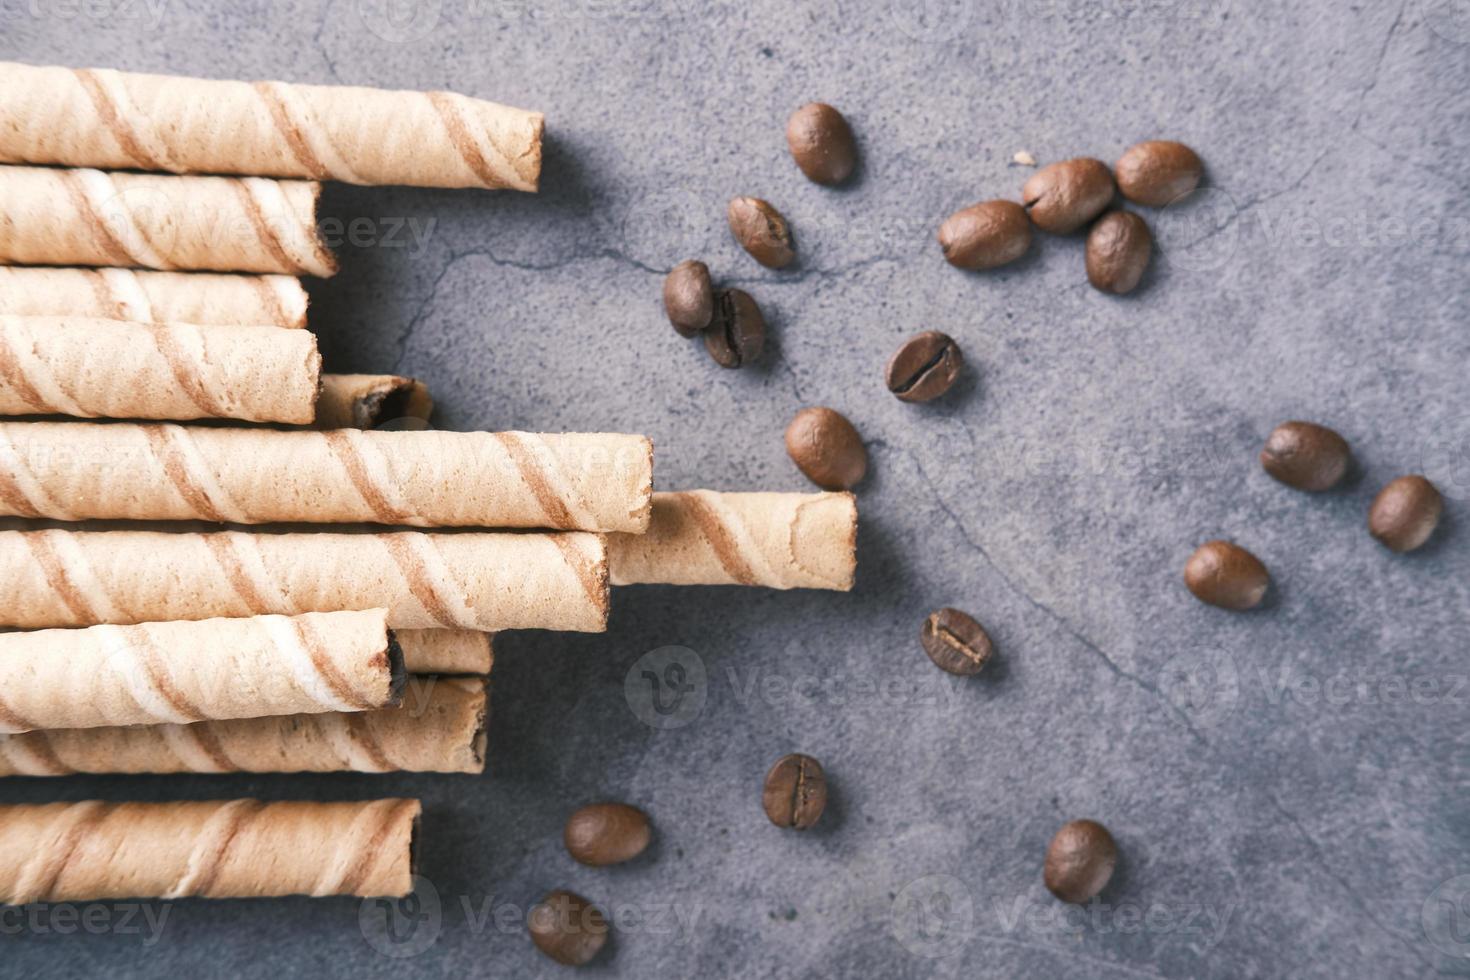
(1288, 787)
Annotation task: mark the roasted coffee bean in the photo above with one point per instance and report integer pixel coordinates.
(1306, 456)
(1118, 249)
(955, 642)
(689, 299)
(1226, 575)
(1063, 197)
(606, 833)
(821, 143)
(985, 235)
(737, 333)
(826, 447)
(1079, 861)
(1158, 173)
(925, 367)
(1405, 513)
(567, 928)
(795, 792)
(761, 231)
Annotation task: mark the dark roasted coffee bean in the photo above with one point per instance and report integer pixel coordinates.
(1158, 173)
(737, 333)
(1079, 861)
(1063, 197)
(761, 231)
(925, 367)
(1118, 249)
(567, 928)
(795, 792)
(821, 143)
(1226, 575)
(689, 299)
(1306, 456)
(826, 447)
(985, 235)
(606, 833)
(1405, 513)
(955, 642)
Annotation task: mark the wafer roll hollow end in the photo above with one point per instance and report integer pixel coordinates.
(366, 401)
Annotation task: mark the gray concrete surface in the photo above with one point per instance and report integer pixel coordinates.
(1289, 787)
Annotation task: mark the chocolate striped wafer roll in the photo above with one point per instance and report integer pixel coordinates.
(446, 651)
(460, 581)
(366, 401)
(194, 671)
(96, 117)
(116, 369)
(441, 729)
(206, 298)
(777, 540)
(76, 471)
(92, 851)
(224, 224)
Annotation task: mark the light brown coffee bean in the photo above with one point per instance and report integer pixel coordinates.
(1079, 861)
(1226, 575)
(821, 143)
(1306, 456)
(925, 367)
(985, 235)
(737, 334)
(567, 928)
(1159, 172)
(1119, 247)
(1064, 196)
(760, 230)
(827, 448)
(689, 299)
(955, 642)
(606, 833)
(795, 793)
(1405, 513)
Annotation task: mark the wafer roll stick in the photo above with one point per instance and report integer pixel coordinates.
(205, 298)
(90, 851)
(116, 369)
(460, 581)
(778, 540)
(366, 401)
(446, 651)
(443, 732)
(226, 224)
(103, 118)
(192, 671)
(76, 471)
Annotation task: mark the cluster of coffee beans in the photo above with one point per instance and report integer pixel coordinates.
(1311, 457)
(1065, 197)
(564, 925)
(730, 321)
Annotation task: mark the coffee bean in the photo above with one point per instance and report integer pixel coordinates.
(826, 447)
(925, 367)
(1306, 456)
(1118, 249)
(1063, 197)
(567, 928)
(795, 792)
(1079, 861)
(737, 334)
(689, 299)
(606, 833)
(1226, 575)
(1159, 172)
(761, 231)
(1405, 513)
(985, 235)
(821, 143)
(955, 642)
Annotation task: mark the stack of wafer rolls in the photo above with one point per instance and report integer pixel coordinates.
(204, 298)
(65, 852)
